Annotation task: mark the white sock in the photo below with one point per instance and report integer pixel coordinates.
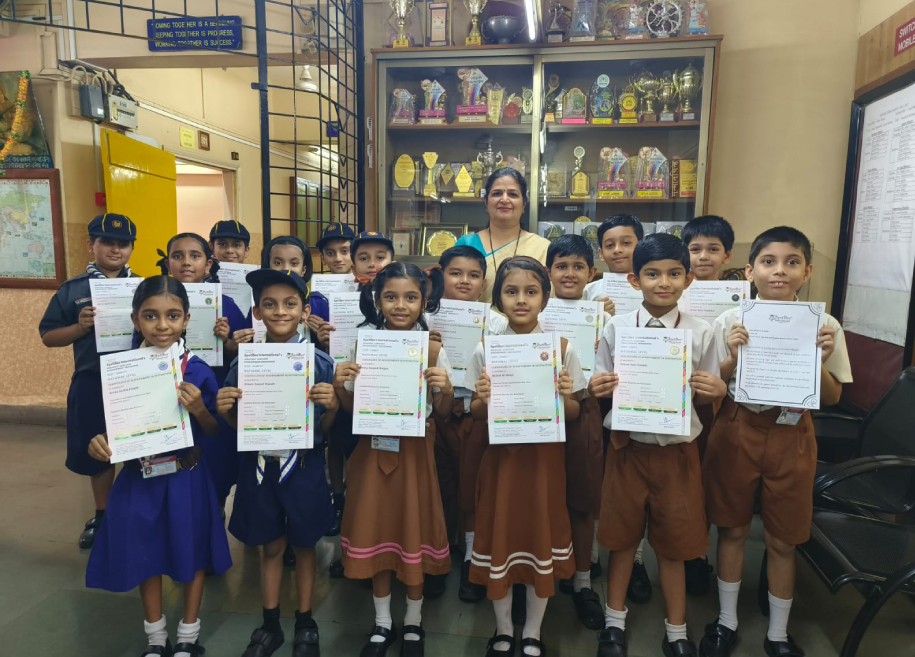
(504, 625)
(581, 580)
(595, 554)
(675, 632)
(382, 616)
(414, 617)
(638, 552)
(614, 618)
(727, 603)
(468, 543)
(778, 618)
(156, 633)
(187, 634)
(536, 608)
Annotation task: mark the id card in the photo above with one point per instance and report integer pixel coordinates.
(386, 444)
(156, 467)
(790, 416)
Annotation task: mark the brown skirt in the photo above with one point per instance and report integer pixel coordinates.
(523, 534)
(585, 458)
(394, 519)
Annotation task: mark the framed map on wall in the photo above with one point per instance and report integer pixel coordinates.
(31, 229)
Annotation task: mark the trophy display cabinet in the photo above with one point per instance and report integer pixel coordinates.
(597, 129)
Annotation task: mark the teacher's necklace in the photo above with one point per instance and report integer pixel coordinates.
(492, 250)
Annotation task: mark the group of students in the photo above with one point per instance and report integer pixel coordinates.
(531, 513)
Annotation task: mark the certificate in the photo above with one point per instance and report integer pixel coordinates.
(462, 325)
(206, 302)
(525, 405)
(708, 299)
(625, 297)
(780, 365)
(232, 276)
(579, 322)
(113, 302)
(275, 413)
(390, 392)
(654, 366)
(345, 317)
(328, 284)
(142, 412)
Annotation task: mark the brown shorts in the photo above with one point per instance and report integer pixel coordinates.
(585, 459)
(460, 445)
(660, 484)
(747, 450)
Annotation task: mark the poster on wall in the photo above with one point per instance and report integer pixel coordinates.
(20, 119)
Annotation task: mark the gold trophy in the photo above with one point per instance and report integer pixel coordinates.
(429, 189)
(475, 8)
(667, 94)
(647, 86)
(688, 82)
(581, 183)
(402, 9)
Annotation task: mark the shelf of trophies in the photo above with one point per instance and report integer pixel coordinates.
(571, 127)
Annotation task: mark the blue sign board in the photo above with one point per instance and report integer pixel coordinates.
(203, 33)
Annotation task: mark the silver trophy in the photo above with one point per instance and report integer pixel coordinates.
(402, 9)
(488, 159)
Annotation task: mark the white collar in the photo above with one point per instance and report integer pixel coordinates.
(668, 320)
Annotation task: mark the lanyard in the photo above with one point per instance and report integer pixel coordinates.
(637, 312)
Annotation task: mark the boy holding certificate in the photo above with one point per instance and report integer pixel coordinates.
(771, 447)
(283, 497)
(334, 246)
(229, 241)
(70, 320)
(617, 238)
(654, 475)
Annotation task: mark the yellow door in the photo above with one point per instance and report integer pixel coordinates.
(140, 183)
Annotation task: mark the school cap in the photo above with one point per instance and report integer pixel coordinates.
(336, 231)
(261, 278)
(370, 236)
(115, 226)
(230, 229)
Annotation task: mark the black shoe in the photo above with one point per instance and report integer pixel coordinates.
(698, 576)
(289, 556)
(159, 651)
(639, 590)
(469, 592)
(378, 649)
(589, 609)
(718, 640)
(338, 516)
(533, 643)
(193, 649)
(611, 642)
(519, 604)
(87, 538)
(501, 638)
(305, 643)
(782, 648)
(263, 643)
(596, 570)
(679, 648)
(413, 648)
(566, 587)
(433, 586)
(336, 569)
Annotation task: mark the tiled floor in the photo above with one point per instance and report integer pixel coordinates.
(45, 609)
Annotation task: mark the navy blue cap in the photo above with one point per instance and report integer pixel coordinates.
(115, 226)
(336, 231)
(261, 278)
(370, 236)
(230, 229)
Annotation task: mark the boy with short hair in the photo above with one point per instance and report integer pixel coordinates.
(710, 240)
(750, 449)
(617, 238)
(283, 497)
(229, 241)
(655, 477)
(70, 320)
(371, 252)
(334, 246)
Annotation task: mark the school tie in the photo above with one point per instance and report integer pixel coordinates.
(654, 322)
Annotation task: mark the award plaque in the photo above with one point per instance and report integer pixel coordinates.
(629, 105)
(494, 99)
(584, 28)
(527, 105)
(429, 188)
(446, 179)
(581, 183)
(574, 107)
(463, 182)
(613, 180)
(472, 108)
(602, 100)
(402, 240)
(438, 23)
(404, 176)
(438, 238)
(653, 174)
(434, 97)
(403, 104)
(476, 172)
(555, 181)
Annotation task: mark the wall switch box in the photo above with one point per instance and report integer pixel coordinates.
(91, 102)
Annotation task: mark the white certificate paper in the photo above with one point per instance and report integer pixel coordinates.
(654, 366)
(625, 297)
(232, 277)
(345, 317)
(275, 413)
(708, 299)
(206, 308)
(780, 365)
(525, 405)
(113, 302)
(462, 325)
(142, 412)
(579, 322)
(328, 284)
(390, 393)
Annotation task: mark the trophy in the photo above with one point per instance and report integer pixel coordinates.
(613, 180)
(402, 9)
(429, 188)
(405, 168)
(494, 99)
(527, 105)
(549, 99)
(511, 114)
(558, 23)
(574, 107)
(474, 7)
(687, 82)
(647, 86)
(435, 97)
(446, 178)
(517, 162)
(463, 181)
(583, 21)
(472, 109)
(653, 174)
(602, 100)
(487, 159)
(667, 94)
(403, 105)
(581, 183)
(628, 105)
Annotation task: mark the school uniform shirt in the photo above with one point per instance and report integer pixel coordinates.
(837, 363)
(495, 325)
(594, 290)
(704, 357)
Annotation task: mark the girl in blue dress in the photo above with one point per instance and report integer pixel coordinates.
(169, 524)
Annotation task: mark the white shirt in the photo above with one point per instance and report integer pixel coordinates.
(594, 290)
(496, 323)
(704, 358)
(837, 364)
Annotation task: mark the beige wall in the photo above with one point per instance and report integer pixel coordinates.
(201, 202)
(874, 12)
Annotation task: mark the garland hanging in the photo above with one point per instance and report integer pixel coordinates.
(15, 136)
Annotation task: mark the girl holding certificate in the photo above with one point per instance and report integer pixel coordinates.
(394, 519)
(523, 533)
(164, 519)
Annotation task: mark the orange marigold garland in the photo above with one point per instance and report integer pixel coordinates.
(15, 137)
